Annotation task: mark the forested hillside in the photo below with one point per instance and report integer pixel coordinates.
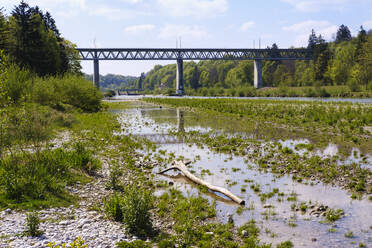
(345, 62)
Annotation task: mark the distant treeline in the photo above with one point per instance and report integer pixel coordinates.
(345, 61)
(114, 82)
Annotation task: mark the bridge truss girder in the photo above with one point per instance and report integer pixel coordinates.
(193, 54)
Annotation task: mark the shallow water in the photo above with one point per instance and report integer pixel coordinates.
(328, 99)
(155, 123)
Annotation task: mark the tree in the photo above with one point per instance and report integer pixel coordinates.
(343, 61)
(360, 40)
(366, 61)
(140, 80)
(204, 79)
(34, 42)
(343, 34)
(313, 40)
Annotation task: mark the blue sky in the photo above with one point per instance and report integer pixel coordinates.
(199, 23)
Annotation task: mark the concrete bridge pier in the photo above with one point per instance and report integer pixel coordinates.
(180, 90)
(96, 70)
(257, 73)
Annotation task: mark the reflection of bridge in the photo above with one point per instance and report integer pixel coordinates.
(181, 54)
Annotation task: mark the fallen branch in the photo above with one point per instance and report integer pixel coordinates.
(178, 165)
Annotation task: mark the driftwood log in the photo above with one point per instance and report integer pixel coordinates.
(178, 165)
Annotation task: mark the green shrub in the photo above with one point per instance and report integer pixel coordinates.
(113, 208)
(18, 83)
(133, 209)
(69, 89)
(33, 224)
(136, 205)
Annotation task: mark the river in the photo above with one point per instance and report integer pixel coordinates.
(273, 215)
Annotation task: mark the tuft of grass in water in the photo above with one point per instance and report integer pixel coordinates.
(349, 235)
(333, 215)
(249, 229)
(285, 244)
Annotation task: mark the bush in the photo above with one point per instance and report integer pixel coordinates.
(369, 85)
(32, 225)
(353, 86)
(69, 89)
(18, 83)
(133, 209)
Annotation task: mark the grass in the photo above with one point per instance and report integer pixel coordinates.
(333, 215)
(32, 180)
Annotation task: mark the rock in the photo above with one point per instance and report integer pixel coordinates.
(313, 239)
(209, 233)
(244, 233)
(8, 211)
(267, 206)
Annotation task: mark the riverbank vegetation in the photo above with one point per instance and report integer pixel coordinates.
(341, 68)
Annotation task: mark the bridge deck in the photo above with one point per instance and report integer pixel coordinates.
(193, 54)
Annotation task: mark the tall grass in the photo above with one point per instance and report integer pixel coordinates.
(39, 176)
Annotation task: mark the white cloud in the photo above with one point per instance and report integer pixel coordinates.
(302, 30)
(317, 5)
(114, 13)
(247, 25)
(306, 26)
(174, 31)
(139, 28)
(196, 8)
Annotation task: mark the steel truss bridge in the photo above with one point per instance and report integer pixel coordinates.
(180, 54)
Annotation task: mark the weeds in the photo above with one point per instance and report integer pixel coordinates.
(32, 224)
(132, 208)
(77, 243)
